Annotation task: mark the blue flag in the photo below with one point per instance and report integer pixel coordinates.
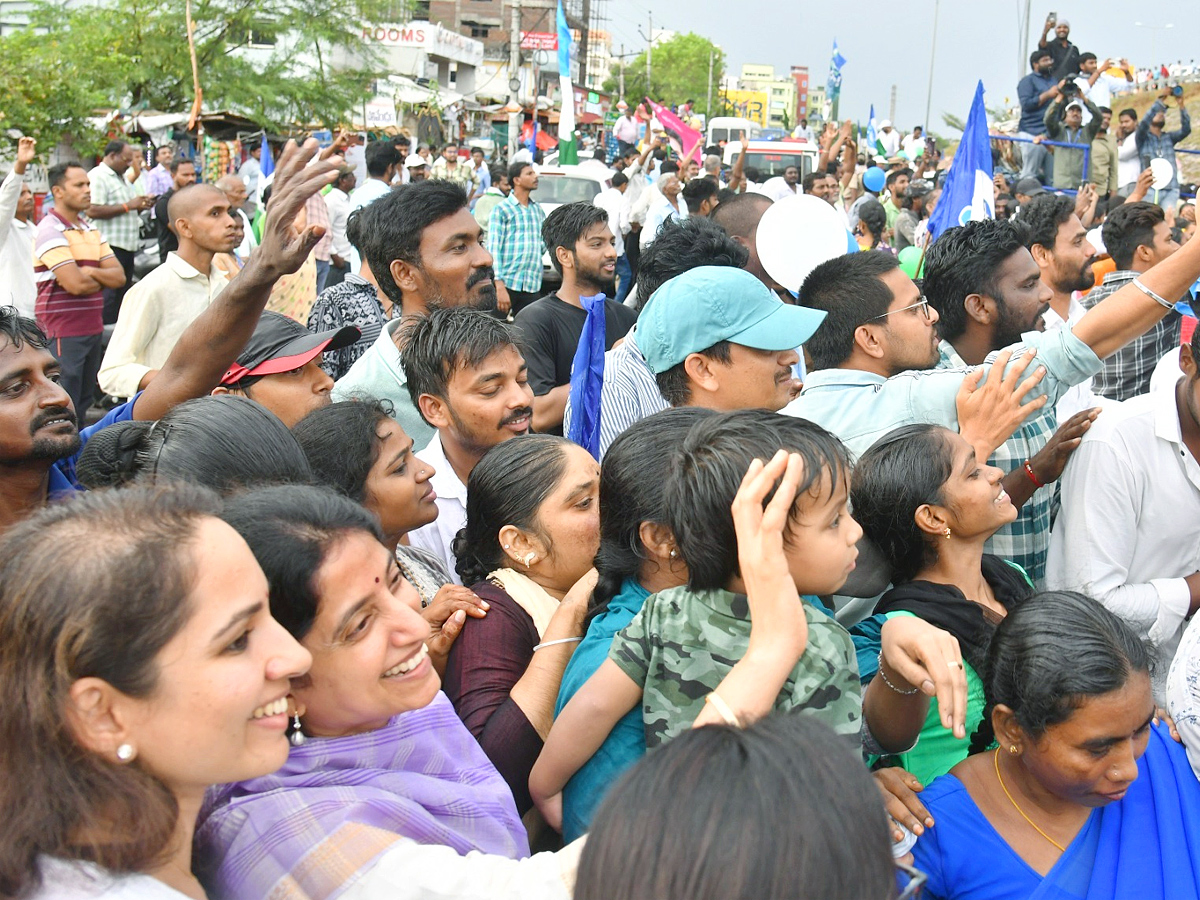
(266, 164)
(838, 59)
(872, 133)
(587, 378)
(969, 194)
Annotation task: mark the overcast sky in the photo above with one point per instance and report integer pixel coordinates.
(888, 43)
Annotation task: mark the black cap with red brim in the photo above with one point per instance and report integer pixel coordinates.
(280, 344)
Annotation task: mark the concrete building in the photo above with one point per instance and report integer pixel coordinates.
(780, 94)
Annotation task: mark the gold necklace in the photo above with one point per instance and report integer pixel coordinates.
(1032, 824)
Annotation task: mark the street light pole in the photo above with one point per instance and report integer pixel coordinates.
(932, 53)
(1154, 30)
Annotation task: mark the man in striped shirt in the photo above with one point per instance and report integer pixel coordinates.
(73, 265)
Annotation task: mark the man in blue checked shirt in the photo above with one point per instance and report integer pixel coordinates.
(514, 238)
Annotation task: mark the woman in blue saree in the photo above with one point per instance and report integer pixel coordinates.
(1084, 798)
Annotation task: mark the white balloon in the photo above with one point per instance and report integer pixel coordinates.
(796, 235)
(1163, 172)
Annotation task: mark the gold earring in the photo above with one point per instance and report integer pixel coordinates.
(947, 531)
(1012, 748)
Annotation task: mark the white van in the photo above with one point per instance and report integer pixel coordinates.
(723, 129)
(771, 158)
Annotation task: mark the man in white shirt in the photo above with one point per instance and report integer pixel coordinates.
(626, 132)
(1095, 82)
(669, 206)
(160, 307)
(467, 377)
(785, 185)
(250, 172)
(889, 138)
(1129, 161)
(17, 287)
(1126, 533)
(612, 201)
(337, 201)
(382, 161)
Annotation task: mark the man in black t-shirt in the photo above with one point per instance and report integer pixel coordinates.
(581, 246)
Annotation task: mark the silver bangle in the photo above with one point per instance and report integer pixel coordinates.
(1161, 301)
(889, 683)
(572, 640)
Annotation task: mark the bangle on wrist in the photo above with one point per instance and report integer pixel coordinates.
(888, 682)
(570, 640)
(1161, 301)
(1037, 482)
(728, 716)
(125, 206)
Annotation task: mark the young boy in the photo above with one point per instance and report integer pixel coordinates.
(688, 641)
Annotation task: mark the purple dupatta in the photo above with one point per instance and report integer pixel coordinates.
(311, 828)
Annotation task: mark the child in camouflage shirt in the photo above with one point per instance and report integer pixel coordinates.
(686, 641)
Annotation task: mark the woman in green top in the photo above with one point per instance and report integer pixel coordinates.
(930, 506)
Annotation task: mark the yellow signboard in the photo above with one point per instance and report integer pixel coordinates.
(751, 105)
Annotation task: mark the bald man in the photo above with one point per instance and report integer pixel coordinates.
(235, 190)
(160, 307)
(739, 217)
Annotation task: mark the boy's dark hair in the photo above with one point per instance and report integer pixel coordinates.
(435, 346)
(850, 289)
(515, 170)
(58, 173)
(965, 261)
(379, 155)
(1041, 217)
(683, 245)
(1129, 226)
(178, 161)
(566, 225)
(707, 470)
(392, 226)
(619, 179)
(696, 191)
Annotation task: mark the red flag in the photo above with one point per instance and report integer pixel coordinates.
(688, 143)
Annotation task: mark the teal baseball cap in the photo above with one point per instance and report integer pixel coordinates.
(710, 304)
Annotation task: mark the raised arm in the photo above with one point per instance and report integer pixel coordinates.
(10, 190)
(212, 342)
(1129, 312)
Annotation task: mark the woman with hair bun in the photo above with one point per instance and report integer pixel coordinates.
(533, 528)
(223, 442)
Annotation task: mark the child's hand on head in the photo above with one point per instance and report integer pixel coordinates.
(770, 589)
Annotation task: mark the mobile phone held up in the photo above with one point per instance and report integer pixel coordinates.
(1052, 18)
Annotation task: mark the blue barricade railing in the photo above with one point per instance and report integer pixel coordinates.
(1086, 148)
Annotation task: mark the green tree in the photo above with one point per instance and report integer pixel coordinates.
(77, 60)
(678, 72)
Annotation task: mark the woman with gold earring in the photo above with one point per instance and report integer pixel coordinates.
(533, 526)
(1084, 796)
(930, 506)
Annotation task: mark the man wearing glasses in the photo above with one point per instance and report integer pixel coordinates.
(873, 360)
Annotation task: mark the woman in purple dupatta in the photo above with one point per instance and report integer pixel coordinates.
(383, 758)
(1084, 799)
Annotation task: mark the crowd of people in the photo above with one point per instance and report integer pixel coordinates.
(880, 588)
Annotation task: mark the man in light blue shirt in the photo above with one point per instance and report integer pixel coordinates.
(872, 358)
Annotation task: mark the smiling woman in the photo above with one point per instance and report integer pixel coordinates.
(106, 759)
(382, 760)
(533, 528)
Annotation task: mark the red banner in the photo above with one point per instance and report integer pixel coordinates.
(539, 40)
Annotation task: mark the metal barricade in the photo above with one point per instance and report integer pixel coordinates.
(1086, 148)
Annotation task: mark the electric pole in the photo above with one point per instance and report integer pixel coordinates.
(584, 32)
(621, 74)
(514, 79)
(649, 49)
(892, 107)
(708, 100)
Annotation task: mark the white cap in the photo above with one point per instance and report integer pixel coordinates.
(886, 123)
(415, 161)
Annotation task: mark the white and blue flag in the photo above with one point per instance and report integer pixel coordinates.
(969, 194)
